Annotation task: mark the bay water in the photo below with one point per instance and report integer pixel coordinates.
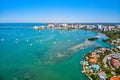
(50, 54)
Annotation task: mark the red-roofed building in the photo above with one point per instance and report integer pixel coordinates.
(115, 78)
(93, 58)
(103, 49)
(115, 63)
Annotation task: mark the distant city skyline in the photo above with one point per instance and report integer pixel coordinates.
(60, 11)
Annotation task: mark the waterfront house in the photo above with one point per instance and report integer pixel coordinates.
(89, 69)
(102, 76)
(115, 63)
(103, 49)
(116, 56)
(95, 67)
(85, 63)
(98, 51)
(115, 78)
(93, 58)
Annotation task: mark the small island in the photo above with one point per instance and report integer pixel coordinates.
(92, 39)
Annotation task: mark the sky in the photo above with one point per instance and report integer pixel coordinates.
(60, 11)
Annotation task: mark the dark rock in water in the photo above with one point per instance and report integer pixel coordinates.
(106, 40)
(92, 39)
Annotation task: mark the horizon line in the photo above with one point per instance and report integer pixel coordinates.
(59, 22)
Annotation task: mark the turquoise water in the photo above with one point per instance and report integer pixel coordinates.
(26, 54)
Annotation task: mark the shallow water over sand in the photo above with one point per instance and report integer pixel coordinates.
(48, 54)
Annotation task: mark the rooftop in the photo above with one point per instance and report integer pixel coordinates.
(115, 78)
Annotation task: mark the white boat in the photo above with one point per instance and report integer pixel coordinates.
(39, 27)
(35, 28)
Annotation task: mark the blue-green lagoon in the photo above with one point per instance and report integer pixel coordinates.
(27, 54)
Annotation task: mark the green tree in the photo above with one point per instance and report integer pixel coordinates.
(118, 70)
